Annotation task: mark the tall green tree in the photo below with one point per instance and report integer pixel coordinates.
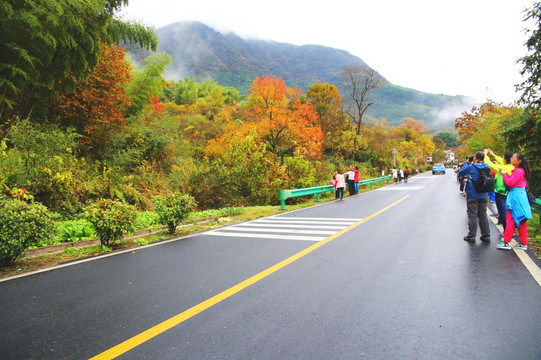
(525, 133)
(147, 83)
(48, 44)
(450, 138)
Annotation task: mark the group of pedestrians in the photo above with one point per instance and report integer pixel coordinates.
(399, 174)
(511, 173)
(350, 178)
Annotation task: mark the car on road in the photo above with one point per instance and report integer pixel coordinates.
(438, 168)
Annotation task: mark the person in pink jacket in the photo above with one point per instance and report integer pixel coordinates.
(340, 184)
(517, 204)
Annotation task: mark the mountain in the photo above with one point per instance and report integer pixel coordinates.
(201, 52)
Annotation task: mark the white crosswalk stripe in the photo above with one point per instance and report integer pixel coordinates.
(287, 228)
(400, 188)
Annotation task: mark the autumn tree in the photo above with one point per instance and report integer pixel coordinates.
(95, 110)
(480, 128)
(328, 108)
(288, 124)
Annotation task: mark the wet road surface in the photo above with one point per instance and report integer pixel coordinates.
(362, 284)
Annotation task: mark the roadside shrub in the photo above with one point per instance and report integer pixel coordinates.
(111, 219)
(22, 225)
(75, 230)
(172, 209)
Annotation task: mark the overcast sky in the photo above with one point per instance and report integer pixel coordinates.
(459, 47)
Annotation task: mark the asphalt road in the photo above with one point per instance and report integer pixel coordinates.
(382, 275)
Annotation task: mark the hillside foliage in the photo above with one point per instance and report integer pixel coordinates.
(202, 53)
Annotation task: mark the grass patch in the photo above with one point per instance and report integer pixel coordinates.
(534, 235)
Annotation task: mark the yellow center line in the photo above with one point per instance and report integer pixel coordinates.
(183, 316)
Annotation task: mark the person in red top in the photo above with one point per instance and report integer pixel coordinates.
(517, 204)
(356, 179)
(406, 174)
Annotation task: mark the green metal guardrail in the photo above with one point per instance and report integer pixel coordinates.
(536, 206)
(283, 195)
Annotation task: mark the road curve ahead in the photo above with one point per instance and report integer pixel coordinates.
(381, 275)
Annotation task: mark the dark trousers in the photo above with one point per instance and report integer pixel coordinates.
(462, 183)
(351, 187)
(477, 213)
(339, 193)
(500, 205)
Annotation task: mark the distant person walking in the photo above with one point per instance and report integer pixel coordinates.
(406, 174)
(400, 175)
(500, 189)
(517, 204)
(476, 202)
(340, 184)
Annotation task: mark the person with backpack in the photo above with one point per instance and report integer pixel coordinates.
(517, 203)
(481, 182)
(406, 174)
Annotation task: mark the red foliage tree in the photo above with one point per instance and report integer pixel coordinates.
(95, 109)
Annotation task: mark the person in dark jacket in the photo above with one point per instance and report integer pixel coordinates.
(476, 202)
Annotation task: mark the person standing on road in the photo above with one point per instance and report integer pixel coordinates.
(500, 189)
(350, 180)
(395, 174)
(476, 202)
(356, 179)
(340, 185)
(406, 174)
(517, 204)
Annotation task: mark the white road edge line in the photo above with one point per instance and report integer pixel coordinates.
(526, 260)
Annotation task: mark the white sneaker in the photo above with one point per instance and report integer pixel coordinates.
(504, 246)
(520, 246)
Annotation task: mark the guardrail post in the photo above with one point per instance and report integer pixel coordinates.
(283, 195)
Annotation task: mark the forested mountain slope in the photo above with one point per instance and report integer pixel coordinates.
(201, 52)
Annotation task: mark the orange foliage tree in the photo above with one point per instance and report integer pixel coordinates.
(479, 128)
(95, 109)
(287, 123)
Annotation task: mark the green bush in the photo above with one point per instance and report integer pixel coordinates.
(22, 225)
(174, 208)
(111, 219)
(75, 230)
